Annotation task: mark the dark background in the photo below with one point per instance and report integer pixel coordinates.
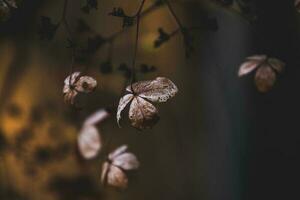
(218, 139)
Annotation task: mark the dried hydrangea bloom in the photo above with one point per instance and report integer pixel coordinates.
(114, 169)
(89, 142)
(142, 113)
(266, 69)
(75, 83)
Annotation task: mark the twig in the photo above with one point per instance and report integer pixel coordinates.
(138, 17)
(181, 27)
(142, 14)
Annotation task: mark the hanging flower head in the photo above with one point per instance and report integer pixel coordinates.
(266, 70)
(75, 83)
(142, 113)
(115, 168)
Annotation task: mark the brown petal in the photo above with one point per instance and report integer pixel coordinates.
(96, 117)
(66, 89)
(105, 168)
(117, 152)
(85, 84)
(142, 114)
(247, 67)
(70, 96)
(89, 142)
(73, 78)
(159, 90)
(276, 64)
(138, 86)
(122, 104)
(259, 58)
(126, 161)
(265, 78)
(116, 177)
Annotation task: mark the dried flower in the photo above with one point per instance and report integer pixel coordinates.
(142, 113)
(267, 68)
(75, 83)
(89, 142)
(114, 169)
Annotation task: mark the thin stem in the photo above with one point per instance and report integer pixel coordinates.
(65, 23)
(181, 27)
(138, 16)
(142, 14)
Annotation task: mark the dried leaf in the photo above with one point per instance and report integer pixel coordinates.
(162, 38)
(123, 159)
(96, 117)
(74, 76)
(248, 67)
(126, 161)
(117, 152)
(160, 89)
(116, 177)
(142, 114)
(119, 12)
(89, 142)
(114, 170)
(276, 64)
(259, 58)
(265, 78)
(122, 104)
(69, 96)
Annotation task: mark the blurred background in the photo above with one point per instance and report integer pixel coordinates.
(218, 139)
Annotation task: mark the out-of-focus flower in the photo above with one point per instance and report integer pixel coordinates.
(266, 69)
(115, 168)
(89, 138)
(89, 142)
